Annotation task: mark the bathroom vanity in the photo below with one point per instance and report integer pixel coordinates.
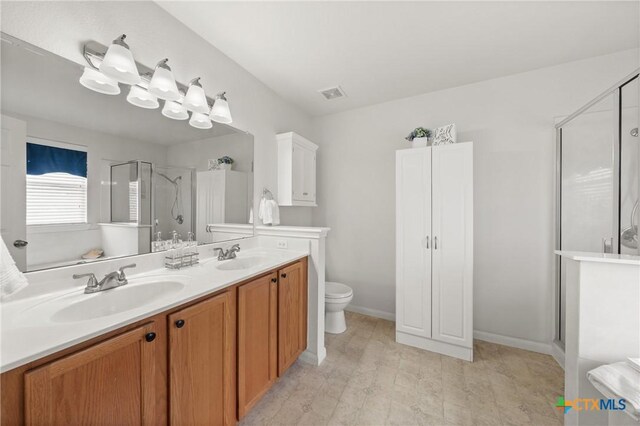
(204, 351)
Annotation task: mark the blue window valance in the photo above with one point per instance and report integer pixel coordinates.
(43, 159)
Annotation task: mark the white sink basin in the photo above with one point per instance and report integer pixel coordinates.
(242, 263)
(116, 300)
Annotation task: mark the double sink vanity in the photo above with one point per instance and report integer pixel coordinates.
(196, 346)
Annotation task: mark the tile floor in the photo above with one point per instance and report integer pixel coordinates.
(369, 379)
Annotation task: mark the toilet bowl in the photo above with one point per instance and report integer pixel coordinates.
(336, 298)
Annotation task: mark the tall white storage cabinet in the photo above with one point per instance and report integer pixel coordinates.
(434, 249)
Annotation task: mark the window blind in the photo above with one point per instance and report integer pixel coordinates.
(56, 198)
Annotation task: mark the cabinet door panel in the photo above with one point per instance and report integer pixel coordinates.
(453, 255)
(414, 242)
(201, 370)
(113, 382)
(292, 314)
(257, 340)
(298, 172)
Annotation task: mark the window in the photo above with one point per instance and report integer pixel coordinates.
(56, 185)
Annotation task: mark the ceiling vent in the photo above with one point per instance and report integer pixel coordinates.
(333, 93)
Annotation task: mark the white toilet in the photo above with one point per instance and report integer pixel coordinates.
(336, 297)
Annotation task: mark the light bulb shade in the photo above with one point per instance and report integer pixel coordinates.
(174, 110)
(195, 100)
(163, 84)
(98, 82)
(200, 121)
(118, 63)
(220, 112)
(141, 98)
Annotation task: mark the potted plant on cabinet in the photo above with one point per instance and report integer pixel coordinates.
(419, 137)
(224, 163)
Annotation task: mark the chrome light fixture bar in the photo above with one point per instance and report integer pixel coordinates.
(95, 52)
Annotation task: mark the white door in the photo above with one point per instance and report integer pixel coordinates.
(304, 173)
(452, 254)
(413, 241)
(13, 188)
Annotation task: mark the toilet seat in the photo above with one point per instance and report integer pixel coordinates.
(334, 290)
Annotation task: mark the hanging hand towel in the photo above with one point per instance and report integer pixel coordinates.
(11, 279)
(619, 380)
(275, 212)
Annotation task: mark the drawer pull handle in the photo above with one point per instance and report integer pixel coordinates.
(180, 323)
(150, 337)
(274, 280)
(283, 275)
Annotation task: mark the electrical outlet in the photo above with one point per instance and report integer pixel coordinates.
(281, 244)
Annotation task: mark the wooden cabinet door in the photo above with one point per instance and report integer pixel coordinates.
(257, 340)
(452, 282)
(201, 366)
(116, 382)
(414, 241)
(292, 314)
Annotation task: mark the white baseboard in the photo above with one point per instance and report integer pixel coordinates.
(558, 354)
(455, 351)
(372, 312)
(529, 345)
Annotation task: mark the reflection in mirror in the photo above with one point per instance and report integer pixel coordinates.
(87, 176)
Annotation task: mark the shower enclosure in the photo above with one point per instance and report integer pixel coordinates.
(597, 182)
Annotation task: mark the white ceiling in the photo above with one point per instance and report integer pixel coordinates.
(379, 51)
(40, 84)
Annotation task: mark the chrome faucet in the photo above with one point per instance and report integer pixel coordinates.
(111, 280)
(229, 254)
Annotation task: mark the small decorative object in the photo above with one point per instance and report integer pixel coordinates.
(445, 135)
(419, 137)
(225, 163)
(212, 164)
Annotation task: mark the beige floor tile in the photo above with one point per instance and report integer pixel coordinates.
(368, 379)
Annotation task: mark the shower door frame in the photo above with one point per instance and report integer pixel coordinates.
(616, 91)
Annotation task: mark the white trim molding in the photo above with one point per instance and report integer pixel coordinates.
(515, 342)
(292, 231)
(389, 316)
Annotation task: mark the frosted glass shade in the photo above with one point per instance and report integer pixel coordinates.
(163, 84)
(220, 112)
(195, 100)
(141, 98)
(98, 82)
(200, 121)
(174, 110)
(118, 63)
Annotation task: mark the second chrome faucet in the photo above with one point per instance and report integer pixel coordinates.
(229, 254)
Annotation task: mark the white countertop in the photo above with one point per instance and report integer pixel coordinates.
(625, 259)
(28, 331)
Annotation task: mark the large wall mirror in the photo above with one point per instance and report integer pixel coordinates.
(87, 176)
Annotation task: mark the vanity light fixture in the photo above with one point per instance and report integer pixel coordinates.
(174, 110)
(140, 97)
(118, 63)
(98, 82)
(220, 112)
(195, 99)
(200, 121)
(163, 84)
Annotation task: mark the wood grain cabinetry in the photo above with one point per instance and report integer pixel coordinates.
(292, 314)
(206, 362)
(200, 363)
(257, 340)
(115, 381)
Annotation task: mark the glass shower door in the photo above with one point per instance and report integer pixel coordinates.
(629, 166)
(588, 217)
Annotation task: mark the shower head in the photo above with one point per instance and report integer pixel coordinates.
(634, 132)
(173, 181)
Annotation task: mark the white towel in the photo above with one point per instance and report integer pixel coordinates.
(11, 279)
(269, 212)
(619, 380)
(634, 362)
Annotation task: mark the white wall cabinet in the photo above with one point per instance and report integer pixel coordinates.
(296, 170)
(434, 249)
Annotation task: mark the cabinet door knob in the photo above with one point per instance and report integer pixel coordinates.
(150, 337)
(283, 275)
(180, 323)
(274, 280)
